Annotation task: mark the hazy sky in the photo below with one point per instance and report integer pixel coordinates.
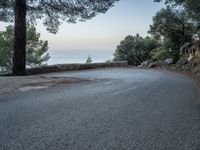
(104, 32)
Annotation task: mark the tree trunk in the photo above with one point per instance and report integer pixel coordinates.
(19, 58)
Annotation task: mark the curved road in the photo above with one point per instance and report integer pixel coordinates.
(121, 109)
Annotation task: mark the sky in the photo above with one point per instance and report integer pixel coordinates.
(99, 36)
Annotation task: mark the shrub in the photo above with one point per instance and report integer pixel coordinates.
(161, 54)
(135, 49)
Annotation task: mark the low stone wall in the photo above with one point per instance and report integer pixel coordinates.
(69, 67)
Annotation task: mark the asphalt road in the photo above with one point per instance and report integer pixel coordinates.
(121, 109)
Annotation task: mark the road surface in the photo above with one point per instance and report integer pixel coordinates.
(120, 109)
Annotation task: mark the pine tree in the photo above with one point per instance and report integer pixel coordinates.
(89, 60)
(36, 49)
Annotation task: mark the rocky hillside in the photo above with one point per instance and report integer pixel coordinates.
(188, 65)
(185, 64)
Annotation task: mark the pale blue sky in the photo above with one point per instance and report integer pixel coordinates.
(102, 34)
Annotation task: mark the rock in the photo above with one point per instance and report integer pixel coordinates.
(157, 64)
(169, 61)
(190, 57)
(193, 65)
(185, 48)
(145, 63)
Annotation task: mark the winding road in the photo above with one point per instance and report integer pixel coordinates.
(119, 109)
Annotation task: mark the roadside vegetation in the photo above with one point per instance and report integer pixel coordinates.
(36, 49)
(174, 36)
(135, 49)
(175, 32)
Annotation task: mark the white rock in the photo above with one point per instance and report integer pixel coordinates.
(169, 61)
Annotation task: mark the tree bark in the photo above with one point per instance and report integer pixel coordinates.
(19, 58)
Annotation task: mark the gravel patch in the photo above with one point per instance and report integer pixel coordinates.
(26, 83)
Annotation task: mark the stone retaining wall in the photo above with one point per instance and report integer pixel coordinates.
(69, 67)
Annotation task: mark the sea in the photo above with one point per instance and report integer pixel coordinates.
(75, 56)
(69, 57)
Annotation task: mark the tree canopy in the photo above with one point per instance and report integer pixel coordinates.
(134, 49)
(175, 26)
(53, 12)
(170, 20)
(191, 6)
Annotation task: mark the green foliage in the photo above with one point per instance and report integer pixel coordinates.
(175, 26)
(6, 48)
(191, 5)
(89, 60)
(161, 54)
(134, 49)
(173, 22)
(108, 61)
(170, 46)
(53, 12)
(36, 49)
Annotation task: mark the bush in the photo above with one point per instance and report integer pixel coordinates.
(89, 60)
(161, 54)
(135, 49)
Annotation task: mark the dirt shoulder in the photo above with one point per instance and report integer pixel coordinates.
(26, 83)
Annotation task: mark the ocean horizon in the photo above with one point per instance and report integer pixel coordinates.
(69, 57)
